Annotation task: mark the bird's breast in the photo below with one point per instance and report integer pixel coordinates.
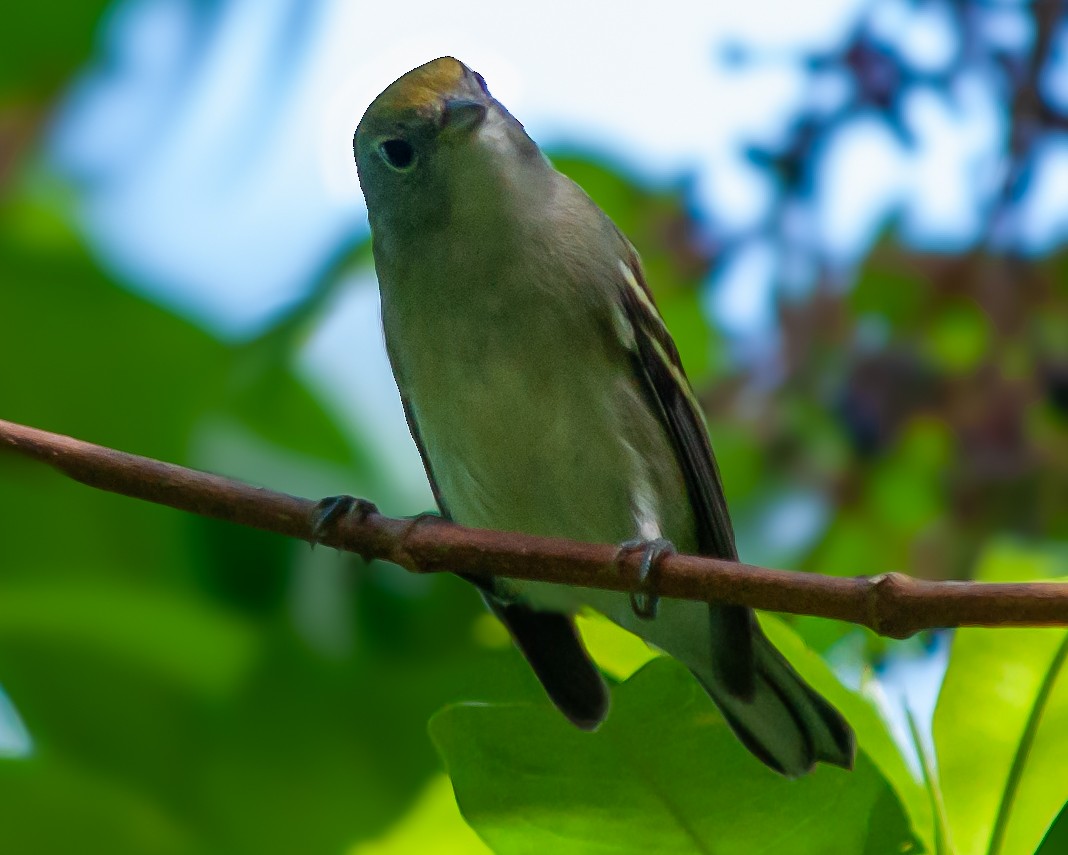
(518, 419)
(528, 410)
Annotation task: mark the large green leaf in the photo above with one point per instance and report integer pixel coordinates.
(1001, 726)
(873, 735)
(1001, 734)
(663, 774)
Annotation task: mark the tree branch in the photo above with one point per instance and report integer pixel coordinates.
(890, 604)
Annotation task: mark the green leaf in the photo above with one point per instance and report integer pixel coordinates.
(51, 807)
(1001, 724)
(904, 486)
(43, 43)
(741, 458)
(616, 651)
(873, 735)
(1056, 840)
(1001, 733)
(1015, 561)
(959, 337)
(855, 543)
(684, 317)
(181, 640)
(889, 291)
(434, 824)
(934, 791)
(663, 774)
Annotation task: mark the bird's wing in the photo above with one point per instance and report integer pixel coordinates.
(657, 362)
(548, 640)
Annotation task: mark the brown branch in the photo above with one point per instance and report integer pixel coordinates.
(889, 604)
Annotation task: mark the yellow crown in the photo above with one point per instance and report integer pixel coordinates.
(422, 87)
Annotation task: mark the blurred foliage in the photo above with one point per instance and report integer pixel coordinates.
(178, 685)
(925, 402)
(43, 44)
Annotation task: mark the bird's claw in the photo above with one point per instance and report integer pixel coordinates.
(331, 509)
(645, 600)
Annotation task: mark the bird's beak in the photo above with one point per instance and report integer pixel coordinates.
(462, 114)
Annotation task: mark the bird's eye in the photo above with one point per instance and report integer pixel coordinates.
(399, 154)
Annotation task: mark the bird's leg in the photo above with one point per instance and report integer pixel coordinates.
(645, 600)
(331, 509)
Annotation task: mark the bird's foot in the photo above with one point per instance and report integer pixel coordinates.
(329, 511)
(645, 600)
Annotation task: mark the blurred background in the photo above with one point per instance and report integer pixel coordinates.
(853, 214)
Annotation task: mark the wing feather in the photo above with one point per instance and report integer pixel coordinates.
(658, 363)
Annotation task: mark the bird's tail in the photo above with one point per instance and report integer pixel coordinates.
(779, 717)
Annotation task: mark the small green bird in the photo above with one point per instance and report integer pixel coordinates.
(546, 396)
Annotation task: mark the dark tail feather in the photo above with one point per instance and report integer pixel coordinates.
(784, 721)
(551, 645)
(732, 649)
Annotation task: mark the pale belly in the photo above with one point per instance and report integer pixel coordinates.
(518, 445)
(545, 433)
(541, 464)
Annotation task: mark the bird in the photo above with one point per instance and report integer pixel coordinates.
(546, 396)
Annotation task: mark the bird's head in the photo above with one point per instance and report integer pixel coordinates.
(431, 138)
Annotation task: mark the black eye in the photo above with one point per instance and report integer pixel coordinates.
(398, 154)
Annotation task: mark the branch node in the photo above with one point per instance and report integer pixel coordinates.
(883, 601)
